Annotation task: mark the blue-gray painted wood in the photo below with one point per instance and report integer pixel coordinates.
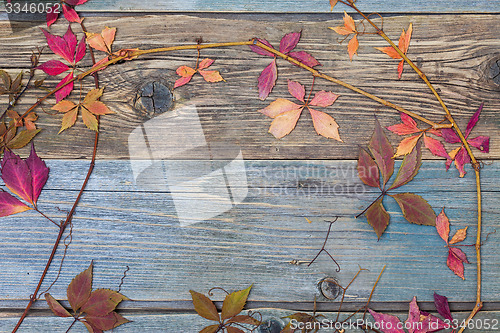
(119, 224)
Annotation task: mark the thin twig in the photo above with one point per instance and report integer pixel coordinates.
(324, 244)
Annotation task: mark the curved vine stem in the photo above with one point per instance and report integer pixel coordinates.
(474, 162)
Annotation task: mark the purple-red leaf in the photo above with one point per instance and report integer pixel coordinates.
(455, 264)
(71, 41)
(368, 170)
(449, 135)
(56, 307)
(39, 172)
(435, 146)
(260, 50)
(297, 90)
(58, 45)
(481, 142)
(289, 41)
(267, 80)
(305, 58)
(80, 50)
(377, 217)
(415, 208)
(443, 226)
(473, 120)
(66, 90)
(413, 316)
(461, 159)
(387, 323)
(79, 289)
(382, 151)
(108, 322)
(459, 254)
(10, 205)
(442, 306)
(17, 176)
(323, 98)
(53, 67)
(70, 14)
(52, 14)
(409, 167)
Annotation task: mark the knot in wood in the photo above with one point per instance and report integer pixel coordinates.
(330, 288)
(495, 71)
(270, 326)
(153, 99)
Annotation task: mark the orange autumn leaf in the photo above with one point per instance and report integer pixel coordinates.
(459, 236)
(186, 73)
(403, 45)
(348, 28)
(407, 145)
(352, 47)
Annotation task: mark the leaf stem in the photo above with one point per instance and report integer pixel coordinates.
(364, 211)
(316, 73)
(48, 218)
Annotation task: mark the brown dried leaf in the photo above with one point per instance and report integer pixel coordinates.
(204, 306)
(234, 303)
(56, 307)
(80, 288)
(377, 217)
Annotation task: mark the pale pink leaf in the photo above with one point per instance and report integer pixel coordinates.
(443, 226)
(284, 123)
(323, 99)
(289, 41)
(297, 90)
(267, 80)
(279, 106)
(325, 125)
(53, 67)
(205, 63)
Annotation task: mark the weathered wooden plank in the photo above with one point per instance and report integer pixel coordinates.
(252, 242)
(292, 6)
(454, 50)
(188, 322)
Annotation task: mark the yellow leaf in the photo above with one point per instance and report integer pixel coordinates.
(90, 120)
(64, 106)
(68, 119)
(211, 76)
(406, 145)
(93, 96)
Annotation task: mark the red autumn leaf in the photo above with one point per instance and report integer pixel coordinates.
(461, 159)
(442, 306)
(406, 145)
(59, 46)
(267, 80)
(108, 322)
(408, 126)
(459, 254)
(305, 58)
(53, 67)
(443, 226)
(473, 120)
(323, 98)
(52, 14)
(205, 63)
(101, 302)
(260, 50)
(388, 323)
(435, 146)
(481, 142)
(17, 176)
(289, 42)
(70, 14)
(182, 81)
(325, 125)
(367, 169)
(409, 168)
(459, 236)
(377, 217)
(234, 303)
(455, 264)
(79, 289)
(56, 307)
(10, 205)
(297, 90)
(187, 73)
(39, 173)
(415, 208)
(449, 135)
(422, 322)
(413, 316)
(66, 90)
(382, 152)
(403, 45)
(204, 306)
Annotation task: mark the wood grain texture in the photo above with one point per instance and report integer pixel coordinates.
(119, 223)
(292, 6)
(455, 51)
(188, 322)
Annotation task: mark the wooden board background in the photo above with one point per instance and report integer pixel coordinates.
(120, 223)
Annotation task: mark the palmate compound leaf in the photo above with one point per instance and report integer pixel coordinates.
(403, 45)
(415, 208)
(382, 152)
(204, 306)
(377, 217)
(234, 303)
(79, 289)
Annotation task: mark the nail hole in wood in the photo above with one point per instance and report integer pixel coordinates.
(270, 326)
(153, 98)
(330, 288)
